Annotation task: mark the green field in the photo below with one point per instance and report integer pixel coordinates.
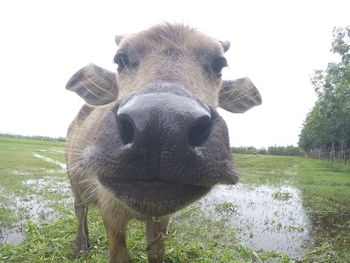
(37, 219)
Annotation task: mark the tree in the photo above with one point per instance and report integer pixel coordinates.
(326, 129)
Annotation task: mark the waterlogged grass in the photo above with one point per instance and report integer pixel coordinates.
(30, 187)
(30, 183)
(325, 190)
(191, 238)
(283, 196)
(325, 185)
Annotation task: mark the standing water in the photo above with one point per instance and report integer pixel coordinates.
(263, 217)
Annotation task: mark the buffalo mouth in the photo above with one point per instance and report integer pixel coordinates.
(153, 197)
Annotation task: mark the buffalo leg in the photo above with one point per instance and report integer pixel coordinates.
(155, 232)
(116, 233)
(82, 241)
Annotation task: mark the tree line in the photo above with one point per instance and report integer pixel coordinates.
(35, 137)
(326, 129)
(272, 150)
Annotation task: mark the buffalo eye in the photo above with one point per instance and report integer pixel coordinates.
(122, 60)
(218, 64)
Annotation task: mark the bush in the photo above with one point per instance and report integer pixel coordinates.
(244, 150)
(285, 150)
(272, 150)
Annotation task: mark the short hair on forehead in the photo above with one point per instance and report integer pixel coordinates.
(176, 36)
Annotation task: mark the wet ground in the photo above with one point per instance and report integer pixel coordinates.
(35, 206)
(263, 217)
(48, 159)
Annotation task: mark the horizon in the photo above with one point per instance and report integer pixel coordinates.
(277, 45)
(59, 139)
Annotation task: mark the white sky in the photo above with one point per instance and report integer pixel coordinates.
(277, 44)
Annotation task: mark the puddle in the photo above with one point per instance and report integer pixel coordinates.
(54, 171)
(35, 207)
(286, 172)
(50, 184)
(20, 173)
(57, 151)
(290, 173)
(48, 159)
(263, 217)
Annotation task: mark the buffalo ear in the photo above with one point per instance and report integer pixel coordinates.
(225, 45)
(238, 95)
(118, 39)
(96, 85)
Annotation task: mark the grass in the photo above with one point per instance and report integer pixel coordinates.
(325, 185)
(193, 237)
(26, 181)
(188, 240)
(325, 193)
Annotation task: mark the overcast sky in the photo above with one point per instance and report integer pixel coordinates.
(277, 44)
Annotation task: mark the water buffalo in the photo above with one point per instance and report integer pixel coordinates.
(149, 140)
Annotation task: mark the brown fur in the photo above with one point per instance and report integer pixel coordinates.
(168, 53)
(165, 53)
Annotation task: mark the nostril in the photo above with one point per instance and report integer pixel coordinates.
(126, 129)
(199, 132)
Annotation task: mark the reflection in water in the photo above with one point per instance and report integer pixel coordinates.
(35, 207)
(48, 159)
(264, 217)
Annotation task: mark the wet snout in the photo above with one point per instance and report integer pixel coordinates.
(164, 134)
(151, 120)
(167, 145)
